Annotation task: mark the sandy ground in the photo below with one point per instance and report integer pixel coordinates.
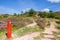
(31, 25)
(35, 34)
(52, 28)
(28, 36)
(49, 31)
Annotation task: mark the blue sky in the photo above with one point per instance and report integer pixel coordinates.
(16, 6)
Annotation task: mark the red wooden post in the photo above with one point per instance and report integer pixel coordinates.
(9, 29)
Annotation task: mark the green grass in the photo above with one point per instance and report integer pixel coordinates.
(39, 36)
(2, 31)
(2, 34)
(56, 35)
(14, 29)
(57, 26)
(25, 30)
(22, 31)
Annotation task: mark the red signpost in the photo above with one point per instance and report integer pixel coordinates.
(9, 29)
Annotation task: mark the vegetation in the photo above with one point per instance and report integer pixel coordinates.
(41, 22)
(32, 12)
(20, 20)
(24, 30)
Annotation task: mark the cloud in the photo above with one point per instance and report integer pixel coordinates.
(45, 10)
(26, 9)
(54, 1)
(8, 10)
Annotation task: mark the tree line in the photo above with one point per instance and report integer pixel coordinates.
(32, 12)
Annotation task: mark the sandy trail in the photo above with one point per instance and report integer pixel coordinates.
(49, 31)
(52, 28)
(28, 36)
(35, 34)
(30, 25)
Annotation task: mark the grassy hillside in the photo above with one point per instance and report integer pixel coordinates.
(20, 20)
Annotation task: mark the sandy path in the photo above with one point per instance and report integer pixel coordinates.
(49, 31)
(52, 28)
(28, 36)
(31, 25)
(35, 34)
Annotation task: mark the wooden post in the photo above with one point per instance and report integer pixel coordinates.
(9, 29)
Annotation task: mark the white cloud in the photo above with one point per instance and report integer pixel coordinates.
(8, 10)
(26, 9)
(54, 1)
(45, 10)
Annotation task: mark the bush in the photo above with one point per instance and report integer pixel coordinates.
(57, 17)
(32, 12)
(41, 23)
(58, 22)
(58, 27)
(43, 14)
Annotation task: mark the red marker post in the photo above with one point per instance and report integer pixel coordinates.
(9, 29)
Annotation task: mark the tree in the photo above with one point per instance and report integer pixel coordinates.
(51, 15)
(32, 12)
(15, 14)
(50, 11)
(18, 15)
(43, 14)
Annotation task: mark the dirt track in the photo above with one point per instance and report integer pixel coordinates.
(28, 36)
